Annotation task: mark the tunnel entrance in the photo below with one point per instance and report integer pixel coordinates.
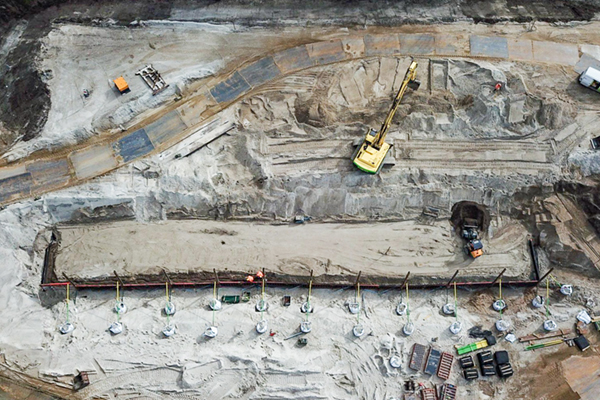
(470, 213)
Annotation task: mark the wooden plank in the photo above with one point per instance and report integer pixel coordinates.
(534, 337)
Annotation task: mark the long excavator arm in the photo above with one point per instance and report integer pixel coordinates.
(370, 155)
(410, 76)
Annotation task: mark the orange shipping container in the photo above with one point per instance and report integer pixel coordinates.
(121, 84)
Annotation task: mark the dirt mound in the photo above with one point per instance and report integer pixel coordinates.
(25, 101)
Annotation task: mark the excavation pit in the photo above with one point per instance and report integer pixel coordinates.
(191, 250)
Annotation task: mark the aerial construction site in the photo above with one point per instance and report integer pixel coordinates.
(300, 200)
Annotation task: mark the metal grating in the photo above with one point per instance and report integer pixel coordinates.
(428, 394)
(448, 392)
(445, 366)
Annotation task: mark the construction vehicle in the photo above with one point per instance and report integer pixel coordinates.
(590, 78)
(474, 247)
(121, 85)
(371, 154)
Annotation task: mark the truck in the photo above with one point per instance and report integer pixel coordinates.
(590, 78)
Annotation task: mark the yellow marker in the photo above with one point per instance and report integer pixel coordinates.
(500, 288)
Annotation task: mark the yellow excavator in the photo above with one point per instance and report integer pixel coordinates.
(370, 156)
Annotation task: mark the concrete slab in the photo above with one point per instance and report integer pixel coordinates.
(326, 52)
(16, 186)
(206, 133)
(164, 129)
(354, 47)
(451, 45)
(591, 49)
(556, 53)
(93, 161)
(482, 46)
(260, 71)
(7, 172)
(520, 49)
(134, 145)
(49, 174)
(418, 44)
(585, 62)
(384, 45)
(230, 89)
(195, 111)
(516, 110)
(293, 59)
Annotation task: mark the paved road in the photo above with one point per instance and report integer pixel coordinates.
(34, 177)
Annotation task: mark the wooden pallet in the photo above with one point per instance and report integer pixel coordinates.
(428, 394)
(445, 367)
(448, 392)
(417, 357)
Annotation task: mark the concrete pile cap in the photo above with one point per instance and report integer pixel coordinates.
(354, 308)
(262, 326)
(306, 307)
(66, 328)
(116, 328)
(168, 330)
(550, 325)
(215, 304)
(456, 327)
(211, 331)
(499, 305)
(120, 307)
(408, 329)
(306, 326)
(170, 308)
(395, 362)
(358, 330)
(401, 308)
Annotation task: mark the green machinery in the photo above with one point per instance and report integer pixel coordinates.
(487, 341)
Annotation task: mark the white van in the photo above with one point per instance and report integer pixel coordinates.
(590, 78)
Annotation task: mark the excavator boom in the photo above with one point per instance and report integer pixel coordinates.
(370, 156)
(410, 76)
